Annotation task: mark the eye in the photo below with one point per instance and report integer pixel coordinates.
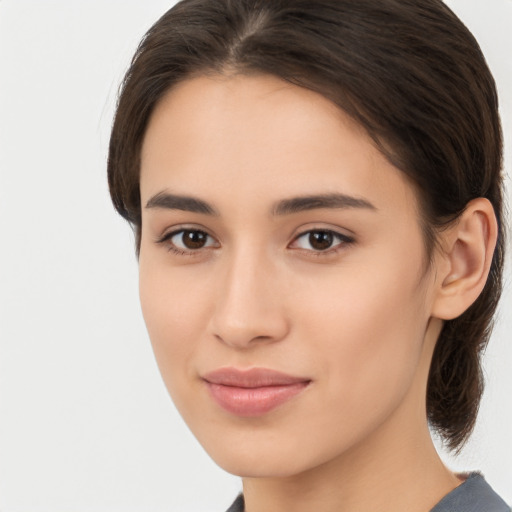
(320, 240)
(188, 240)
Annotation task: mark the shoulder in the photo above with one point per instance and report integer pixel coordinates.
(238, 505)
(474, 495)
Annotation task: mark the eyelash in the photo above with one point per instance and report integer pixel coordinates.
(343, 240)
(171, 247)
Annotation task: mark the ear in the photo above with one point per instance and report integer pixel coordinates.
(465, 259)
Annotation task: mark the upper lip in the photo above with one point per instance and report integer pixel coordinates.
(251, 378)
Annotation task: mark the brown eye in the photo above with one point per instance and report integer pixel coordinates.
(194, 239)
(321, 240)
(191, 240)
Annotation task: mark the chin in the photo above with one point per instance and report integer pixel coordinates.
(266, 459)
(277, 467)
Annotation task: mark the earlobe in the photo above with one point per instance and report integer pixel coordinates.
(468, 247)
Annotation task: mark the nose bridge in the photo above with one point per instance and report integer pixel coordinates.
(249, 306)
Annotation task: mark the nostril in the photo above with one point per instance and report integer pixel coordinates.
(259, 330)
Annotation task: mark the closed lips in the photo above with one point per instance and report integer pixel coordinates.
(253, 378)
(252, 392)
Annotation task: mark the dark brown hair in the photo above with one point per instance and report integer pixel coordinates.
(407, 70)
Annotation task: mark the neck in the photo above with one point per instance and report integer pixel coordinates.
(405, 476)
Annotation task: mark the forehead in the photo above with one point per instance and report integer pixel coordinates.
(262, 138)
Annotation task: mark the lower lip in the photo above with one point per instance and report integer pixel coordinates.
(250, 402)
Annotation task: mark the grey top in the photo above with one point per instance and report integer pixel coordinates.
(474, 495)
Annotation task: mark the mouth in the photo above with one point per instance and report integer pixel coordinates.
(253, 392)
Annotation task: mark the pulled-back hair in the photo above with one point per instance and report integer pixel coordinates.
(408, 71)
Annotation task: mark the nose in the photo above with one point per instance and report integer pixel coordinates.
(249, 308)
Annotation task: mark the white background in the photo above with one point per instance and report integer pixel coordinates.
(85, 422)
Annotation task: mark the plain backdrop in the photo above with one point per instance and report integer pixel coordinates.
(85, 421)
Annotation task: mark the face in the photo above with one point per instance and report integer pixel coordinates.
(282, 275)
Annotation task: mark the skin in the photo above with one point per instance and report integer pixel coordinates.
(359, 319)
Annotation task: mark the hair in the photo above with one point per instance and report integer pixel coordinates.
(408, 71)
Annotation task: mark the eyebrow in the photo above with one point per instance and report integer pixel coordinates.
(313, 202)
(177, 202)
(168, 201)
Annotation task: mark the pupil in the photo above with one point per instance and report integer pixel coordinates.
(194, 239)
(320, 240)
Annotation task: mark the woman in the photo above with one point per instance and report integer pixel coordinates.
(315, 188)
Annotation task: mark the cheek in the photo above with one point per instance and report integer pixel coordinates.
(369, 328)
(174, 307)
